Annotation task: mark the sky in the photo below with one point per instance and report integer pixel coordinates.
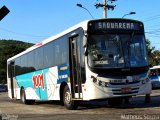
(36, 20)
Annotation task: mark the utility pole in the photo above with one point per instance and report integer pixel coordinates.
(106, 6)
(105, 9)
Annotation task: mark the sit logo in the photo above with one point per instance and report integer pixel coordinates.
(38, 80)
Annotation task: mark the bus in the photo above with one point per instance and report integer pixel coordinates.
(155, 76)
(102, 59)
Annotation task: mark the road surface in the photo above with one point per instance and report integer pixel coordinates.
(95, 110)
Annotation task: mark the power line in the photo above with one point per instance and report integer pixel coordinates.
(155, 25)
(156, 36)
(155, 43)
(151, 19)
(153, 32)
(23, 34)
(153, 29)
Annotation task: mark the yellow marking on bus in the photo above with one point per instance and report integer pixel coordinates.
(69, 79)
(64, 68)
(77, 99)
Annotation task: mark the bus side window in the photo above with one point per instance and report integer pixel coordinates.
(155, 73)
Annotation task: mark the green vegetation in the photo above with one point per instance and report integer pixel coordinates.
(154, 55)
(9, 48)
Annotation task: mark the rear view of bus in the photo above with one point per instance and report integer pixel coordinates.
(117, 63)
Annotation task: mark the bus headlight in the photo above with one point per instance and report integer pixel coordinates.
(99, 82)
(106, 84)
(103, 84)
(94, 79)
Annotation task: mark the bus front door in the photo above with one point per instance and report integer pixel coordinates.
(75, 69)
(12, 74)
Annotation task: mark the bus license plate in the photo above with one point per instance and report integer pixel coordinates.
(126, 90)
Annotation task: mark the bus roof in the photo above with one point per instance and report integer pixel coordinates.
(80, 25)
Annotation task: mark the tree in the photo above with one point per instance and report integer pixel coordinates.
(154, 55)
(9, 48)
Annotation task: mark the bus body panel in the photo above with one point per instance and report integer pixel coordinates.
(44, 83)
(93, 92)
(15, 90)
(97, 90)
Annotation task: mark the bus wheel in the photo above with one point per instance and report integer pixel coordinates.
(23, 98)
(115, 101)
(67, 99)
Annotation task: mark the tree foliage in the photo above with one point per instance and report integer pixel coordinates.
(9, 48)
(154, 55)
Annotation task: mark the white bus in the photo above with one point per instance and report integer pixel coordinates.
(155, 76)
(96, 59)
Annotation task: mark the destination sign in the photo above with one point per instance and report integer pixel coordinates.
(105, 25)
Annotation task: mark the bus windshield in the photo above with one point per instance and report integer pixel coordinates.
(155, 71)
(117, 51)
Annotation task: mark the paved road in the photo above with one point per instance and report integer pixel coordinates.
(136, 110)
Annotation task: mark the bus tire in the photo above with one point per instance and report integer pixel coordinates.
(23, 98)
(115, 101)
(67, 99)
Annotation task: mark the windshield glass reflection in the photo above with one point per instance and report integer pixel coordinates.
(116, 51)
